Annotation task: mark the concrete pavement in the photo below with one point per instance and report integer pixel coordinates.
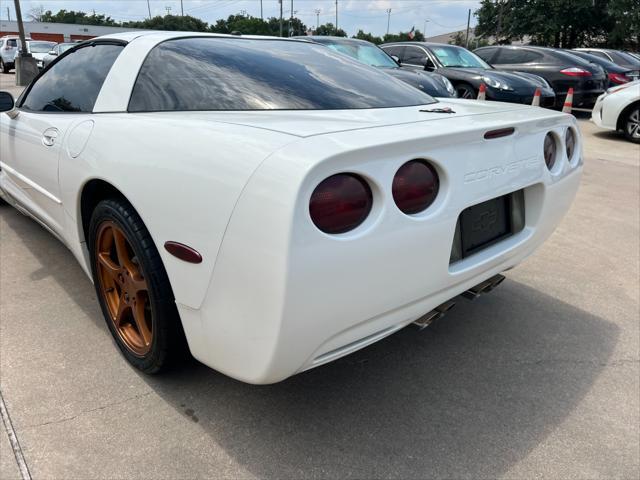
(538, 379)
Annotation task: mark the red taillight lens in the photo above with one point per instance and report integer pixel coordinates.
(618, 78)
(550, 150)
(576, 72)
(415, 186)
(340, 203)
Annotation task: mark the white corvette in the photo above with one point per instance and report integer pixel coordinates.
(276, 203)
(619, 109)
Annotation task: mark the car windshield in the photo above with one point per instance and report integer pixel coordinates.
(363, 52)
(40, 47)
(63, 47)
(458, 57)
(222, 73)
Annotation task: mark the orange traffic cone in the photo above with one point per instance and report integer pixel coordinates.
(568, 102)
(536, 98)
(482, 92)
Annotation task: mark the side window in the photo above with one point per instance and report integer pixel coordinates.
(414, 56)
(597, 53)
(12, 43)
(509, 55)
(486, 53)
(529, 56)
(73, 83)
(395, 50)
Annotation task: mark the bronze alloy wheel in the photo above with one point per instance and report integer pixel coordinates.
(124, 288)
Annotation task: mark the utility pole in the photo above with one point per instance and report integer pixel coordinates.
(280, 17)
(149, 8)
(8, 14)
(336, 16)
(243, 13)
(388, 19)
(317, 11)
(291, 21)
(168, 9)
(466, 42)
(181, 9)
(499, 26)
(261, 15)
(424, 31)
(26, 65)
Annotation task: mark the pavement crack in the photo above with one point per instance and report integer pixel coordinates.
(86, 412)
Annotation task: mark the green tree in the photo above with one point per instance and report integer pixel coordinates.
(560, 23)
(369, 37)
(71, 16)
(245, 25)
(184, 23)
(330, 29)
(404, 37)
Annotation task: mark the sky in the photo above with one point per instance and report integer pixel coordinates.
(442, 16)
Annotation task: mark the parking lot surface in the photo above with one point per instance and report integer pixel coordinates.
(538, 379)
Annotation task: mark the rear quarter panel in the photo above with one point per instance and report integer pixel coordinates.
(183, 176)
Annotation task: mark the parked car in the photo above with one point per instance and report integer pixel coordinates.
(38, 50)
(633, 54)
(623, 59)
(59, 49)
(467, 72)
(619, 109)
(616, 74)
(366, 52)
(285, 206)
(562, 70)
(8, 48)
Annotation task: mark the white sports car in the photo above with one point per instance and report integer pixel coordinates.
(276, 204)
(619, 109)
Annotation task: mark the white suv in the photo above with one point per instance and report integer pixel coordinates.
(8, 49)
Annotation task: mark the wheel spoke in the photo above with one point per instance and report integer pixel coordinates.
(121, 249)
(140, 320)
(108, 266)
(122, 308)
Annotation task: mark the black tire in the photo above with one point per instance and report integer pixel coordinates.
(4, 67)
(168, 341)
(466, 91)
(631, 124)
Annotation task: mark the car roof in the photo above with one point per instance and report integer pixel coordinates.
(423, 44)
(162, 35)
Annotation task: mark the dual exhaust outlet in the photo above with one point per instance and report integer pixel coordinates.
(470, 294)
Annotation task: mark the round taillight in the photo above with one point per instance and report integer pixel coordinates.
(550, 150)
(415, 186)
(340, 203)
(570, 143)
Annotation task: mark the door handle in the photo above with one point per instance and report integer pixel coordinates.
(49, 137)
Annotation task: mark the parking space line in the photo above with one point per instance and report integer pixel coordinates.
(13, 440)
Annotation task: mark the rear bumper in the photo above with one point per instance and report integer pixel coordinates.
(285, 297)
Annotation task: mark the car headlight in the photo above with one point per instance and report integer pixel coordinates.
(495, 83)
(449, 86)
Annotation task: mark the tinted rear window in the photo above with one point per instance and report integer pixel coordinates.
(248, 74)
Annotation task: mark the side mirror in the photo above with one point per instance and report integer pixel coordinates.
(429, 66)
(396, 58)
(6, 102)
(53, 52)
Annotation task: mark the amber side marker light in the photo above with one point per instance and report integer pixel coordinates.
(183, 252)
(501, 132)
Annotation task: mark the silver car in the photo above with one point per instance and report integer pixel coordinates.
(8, 49)
(38, 50)
(56, 51)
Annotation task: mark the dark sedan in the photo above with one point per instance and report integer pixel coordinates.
(561, 69)
(467, 72)
(366, 52)
(616, 74)
(618, 57)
